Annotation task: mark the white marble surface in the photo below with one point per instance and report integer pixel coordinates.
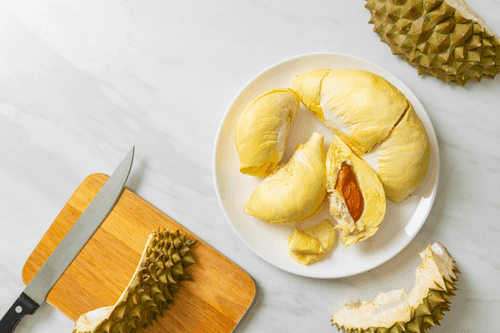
(83, 81)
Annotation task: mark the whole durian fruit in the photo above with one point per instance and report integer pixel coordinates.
(399, 311)
(442, 38)
(150, 290)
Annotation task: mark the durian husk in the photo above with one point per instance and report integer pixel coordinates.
(312, 243)
(442, 38)
(294, 191)
(262, 130)
(399, 311)
(372, 192)
(150, 290)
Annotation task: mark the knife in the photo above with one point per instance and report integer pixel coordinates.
(36, 291)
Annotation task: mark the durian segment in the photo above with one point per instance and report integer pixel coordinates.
(151, 289)
(442, 38)
(294, 191)
(372, 192)
(301, 242)
(403, 158)
(359, 106)
(262, 130)
(323, 232)
(399, 311)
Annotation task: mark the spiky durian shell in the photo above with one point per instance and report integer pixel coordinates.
(419, 314)
(151, 289)
(442, 38)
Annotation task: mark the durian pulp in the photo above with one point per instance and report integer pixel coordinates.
(262, 130)
(301, 242)
(397, 305)
(371, 189)
(360, 107)
(293, 191)
(323, 232)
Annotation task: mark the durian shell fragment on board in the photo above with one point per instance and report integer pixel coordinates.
(295, 190)
(262, 130)
(442, 38)
(151, 289)
(399, 311)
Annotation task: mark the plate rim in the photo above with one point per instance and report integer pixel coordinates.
(432, 133)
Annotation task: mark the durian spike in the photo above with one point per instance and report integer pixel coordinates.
(150, 289)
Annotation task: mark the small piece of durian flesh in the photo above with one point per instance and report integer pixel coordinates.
(323, 232)
(303, 243)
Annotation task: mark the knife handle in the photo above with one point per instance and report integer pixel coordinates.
(23, 306)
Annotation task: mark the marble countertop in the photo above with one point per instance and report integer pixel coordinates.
(81, 82)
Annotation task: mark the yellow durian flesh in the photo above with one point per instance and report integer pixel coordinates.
(308, 88)
(324, 232)
(294, 191)
(400, 311)
(371, 189)
(359, 106)
(301, 242)
(262, 130)
(404, 157)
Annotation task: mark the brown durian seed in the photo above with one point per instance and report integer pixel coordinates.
(427, 34)
(150, 290)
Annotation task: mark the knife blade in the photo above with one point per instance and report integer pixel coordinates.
(36, 291)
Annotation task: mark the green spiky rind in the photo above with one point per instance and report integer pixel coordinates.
(151, 290)
(427, 314)
(436, 39)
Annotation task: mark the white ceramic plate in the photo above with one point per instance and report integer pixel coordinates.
(402, 220)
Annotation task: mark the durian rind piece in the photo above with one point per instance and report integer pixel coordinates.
(150, 290)
(324, 232)
(262, 130)
(372, 192)
(294, 191)
(442, 38)
(403, 158)
(359, 106)
(399, 311)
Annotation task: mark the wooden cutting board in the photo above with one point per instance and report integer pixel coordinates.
(214, 301)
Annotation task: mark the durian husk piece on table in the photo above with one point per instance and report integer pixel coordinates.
(442, 38)
(367, 196)
(399, 311)
(375, 120)
(294, 191)
(150, 290)
(262, 130)
(312, 243)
